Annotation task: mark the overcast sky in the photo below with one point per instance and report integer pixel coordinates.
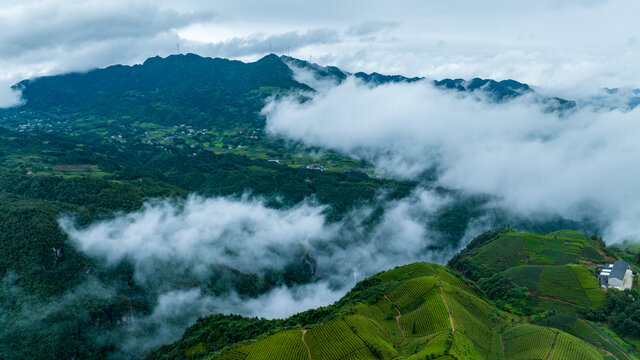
(574, 45)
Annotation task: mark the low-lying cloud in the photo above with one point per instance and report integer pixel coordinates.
(200, 232)
(176, 245)
(580, 165)
(8, 96)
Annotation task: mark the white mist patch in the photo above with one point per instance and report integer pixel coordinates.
(199, 232)
(8, 96)
(283, 302)
(305, 76)
(583, 164)
(194, 234)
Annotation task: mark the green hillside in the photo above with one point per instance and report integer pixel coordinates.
(418, 311)
(571, 285)
(508, 249)
(589, 333)
(528, 272)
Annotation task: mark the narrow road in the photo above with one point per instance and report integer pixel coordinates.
(305, 343)
(453, 328)
(553, 346)
(404, 338)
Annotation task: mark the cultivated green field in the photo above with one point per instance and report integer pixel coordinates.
(575, 285)
(408, 317)
(558, 248)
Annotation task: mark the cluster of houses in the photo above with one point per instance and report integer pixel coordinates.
(315, 167)
(617, 275)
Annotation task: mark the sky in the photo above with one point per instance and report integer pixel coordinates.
(570, 46)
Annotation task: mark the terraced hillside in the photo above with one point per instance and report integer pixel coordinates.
(556, 271)
(589, 333)
(508, 249)
(566, 286)
(418, 311)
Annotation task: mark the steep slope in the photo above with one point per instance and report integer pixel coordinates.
(416, 311)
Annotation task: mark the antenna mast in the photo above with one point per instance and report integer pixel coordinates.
(178, 47)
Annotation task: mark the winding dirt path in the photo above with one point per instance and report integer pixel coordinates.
(432, 338)
(502, 343)
(404, 338)
(305, 343)
(553, 346)
(556, 299)
(453, 328)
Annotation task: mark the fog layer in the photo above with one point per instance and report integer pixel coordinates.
(579, 165)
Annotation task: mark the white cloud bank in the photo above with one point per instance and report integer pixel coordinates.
(199, 232)
(193, 234)
(584, 164)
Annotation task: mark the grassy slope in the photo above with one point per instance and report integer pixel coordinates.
(589, 333)
(558, 248)
(574, 284)
(364, 326)
(553, 267)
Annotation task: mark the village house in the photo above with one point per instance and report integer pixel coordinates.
(617, 275)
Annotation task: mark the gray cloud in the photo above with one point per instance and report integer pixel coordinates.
(262, 44)
(33, 26)
(578, 166)
(371, 27)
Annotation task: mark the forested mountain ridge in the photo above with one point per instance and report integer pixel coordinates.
(188, 80)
